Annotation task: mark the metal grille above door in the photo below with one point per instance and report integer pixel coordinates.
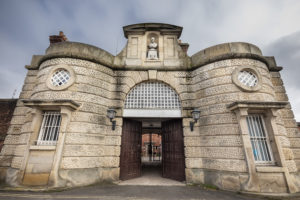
(152, 99)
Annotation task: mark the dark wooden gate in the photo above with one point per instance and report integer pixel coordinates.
(173, 162)
(130, 159)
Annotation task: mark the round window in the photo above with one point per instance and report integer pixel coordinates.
(60, 77)
(248, 78)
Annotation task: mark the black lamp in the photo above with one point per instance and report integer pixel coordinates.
(196, 116)
(111, 113)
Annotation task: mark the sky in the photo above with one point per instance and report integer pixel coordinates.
(272, 25)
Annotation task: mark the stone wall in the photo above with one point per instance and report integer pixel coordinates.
(18, 134)
(214, 150)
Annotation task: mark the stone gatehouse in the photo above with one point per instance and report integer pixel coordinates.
(223, 115)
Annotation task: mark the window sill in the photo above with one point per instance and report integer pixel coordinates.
(42, 148)
(269, 169)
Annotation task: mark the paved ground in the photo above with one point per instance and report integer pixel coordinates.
(151, 175)
(113, 192)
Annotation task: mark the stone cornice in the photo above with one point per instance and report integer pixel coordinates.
(140, 29)
(257, 104)
(51, 104)
(206, 56)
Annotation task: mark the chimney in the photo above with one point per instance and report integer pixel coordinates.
(58, 38)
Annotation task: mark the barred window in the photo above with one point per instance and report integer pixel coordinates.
(259, 140)
(152, 95)
(50, 128)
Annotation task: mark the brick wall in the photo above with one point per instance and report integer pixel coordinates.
(7, 107)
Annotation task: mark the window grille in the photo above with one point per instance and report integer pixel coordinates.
(247, 78)
(60, 77)
(152, 95)
(259, 140)
(50, 128)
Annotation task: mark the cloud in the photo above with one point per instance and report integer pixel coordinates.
(287, 53)
(26, 25)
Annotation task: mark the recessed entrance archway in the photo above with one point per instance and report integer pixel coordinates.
(152, 107)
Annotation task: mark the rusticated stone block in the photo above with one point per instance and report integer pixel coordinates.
(5, 161)
(112, 150)
(11, 139)
(288, 154)
(77, 177)
(14, 129)
(8, 150)
(94, 73)
(296, 153)
(110, 174)
(295, 142)
(218, 129)
(110, 162)
(267, 183)
(292, 132)
(291, 165)
(195, 176)
(17, 120)
(213, 141)
(214, 152)
(30, 80)
(281, 97)
(84, 88)
(226, 118)
(198, 84)
(88, 117)
(20, 150)
(230, 182)
(83, 150)
(112, 140)
(17, 162)
(84, 138)
(80, 162)
(284, 141)
(84, 127)
(81, 79)
(289, 123)
(217, 164)
(277, 81)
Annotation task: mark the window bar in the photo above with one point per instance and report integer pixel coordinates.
(53, 128)
(252, 137)
(41, 134)
(258, 138)
(50, 130)
(263, 139)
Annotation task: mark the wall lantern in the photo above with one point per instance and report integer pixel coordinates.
(196, 116)
(111, 113)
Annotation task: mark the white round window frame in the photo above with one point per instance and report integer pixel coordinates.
(240, 85)
(61, 87)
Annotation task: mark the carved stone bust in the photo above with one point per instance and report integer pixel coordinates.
(152, 50)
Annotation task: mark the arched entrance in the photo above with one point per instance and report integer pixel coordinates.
(152, 108)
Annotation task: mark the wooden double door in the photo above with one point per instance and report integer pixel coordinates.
(173, 162)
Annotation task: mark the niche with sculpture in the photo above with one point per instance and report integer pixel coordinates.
(152, 47)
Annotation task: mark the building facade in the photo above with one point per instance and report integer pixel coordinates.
(245, 139)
